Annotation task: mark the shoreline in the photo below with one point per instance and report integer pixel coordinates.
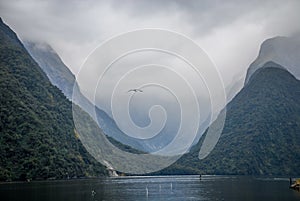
(275, 177)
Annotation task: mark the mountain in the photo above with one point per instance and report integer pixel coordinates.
(261, 132)
(60, 76)
(53, 66)
(281, 50)
(38, 139)
(234, 87)
(261, 135)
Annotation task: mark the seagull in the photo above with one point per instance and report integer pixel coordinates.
(135, 90)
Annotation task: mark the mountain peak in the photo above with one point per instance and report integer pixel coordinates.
(10, 37)
(283, 51)
(268, 64)
(261, 131)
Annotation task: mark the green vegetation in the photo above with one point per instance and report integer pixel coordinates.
(37, 136)
(261, 135)
(48, 60)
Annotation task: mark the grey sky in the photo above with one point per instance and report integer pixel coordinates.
(229, 31)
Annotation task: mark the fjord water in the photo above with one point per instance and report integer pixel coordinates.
(153, 188)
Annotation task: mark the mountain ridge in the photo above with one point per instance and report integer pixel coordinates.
(51, 64)
(59, 76)
(261, 132)
(37, 135)
(281, 50)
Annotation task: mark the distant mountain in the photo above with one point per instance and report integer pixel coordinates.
(261, 135)
(281, 50)
(38, 139)
(61, 76)
(284, 51)
(53, 66)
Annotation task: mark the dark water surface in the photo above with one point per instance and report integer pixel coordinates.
(159, 188)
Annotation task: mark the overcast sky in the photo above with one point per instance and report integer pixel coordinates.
(229, 31)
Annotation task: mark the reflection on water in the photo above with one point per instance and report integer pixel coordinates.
(152, 188)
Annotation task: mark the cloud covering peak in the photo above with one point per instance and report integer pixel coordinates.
(230, 32)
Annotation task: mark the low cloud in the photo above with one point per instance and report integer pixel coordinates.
(230, 31)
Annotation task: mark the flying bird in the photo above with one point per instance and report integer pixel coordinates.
(135, 90)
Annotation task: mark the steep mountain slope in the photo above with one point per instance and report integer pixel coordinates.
(281, 50)
(37, 136)
(60, 76)
(261, 135)
(53, 66)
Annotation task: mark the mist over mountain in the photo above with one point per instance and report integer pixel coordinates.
(284, 51)
(268, 50)
(261, 132)
(233, 88)
(260, 136)
(60, 76)
(52, 65)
